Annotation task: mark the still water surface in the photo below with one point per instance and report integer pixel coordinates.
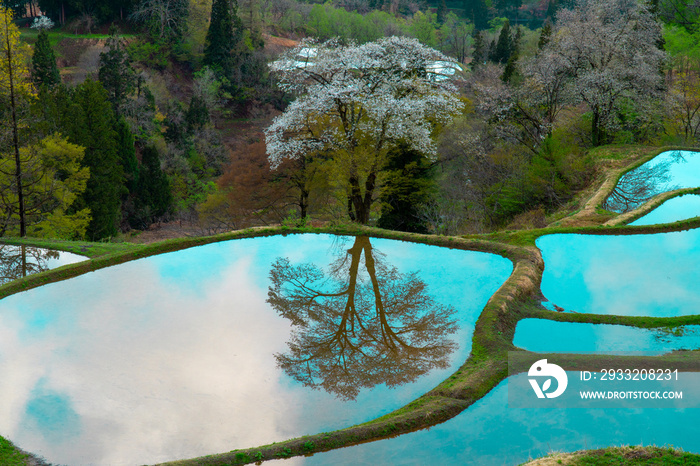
(665, 172)
(233, 345)
(549, 336)
(673, 210)
(636, 275)
(490, 433)
(20, 261)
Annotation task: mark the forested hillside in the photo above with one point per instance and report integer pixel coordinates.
(200, 116)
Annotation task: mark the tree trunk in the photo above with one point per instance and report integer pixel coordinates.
(303, 204)
(359, 206)
(24, 260)
(595, 130)
(15, 135)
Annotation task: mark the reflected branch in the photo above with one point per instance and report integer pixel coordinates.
(355, 328)
(20, 261)
(641, 184)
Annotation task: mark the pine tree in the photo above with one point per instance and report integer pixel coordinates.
(127, 154)
(92, 122)
(480, 52)
(504, 46)
(546, 34)
(44, 69)
(116, 74)
(224, 37)
(153, 196)
(509, 70)
(197, 115)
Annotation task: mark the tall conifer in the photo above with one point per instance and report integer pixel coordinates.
(221, 46)
(92, 127)
(44, 69)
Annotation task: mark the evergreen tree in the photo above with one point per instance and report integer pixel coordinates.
(127, 155)
(116, 74)
(224, 37)
(409, 186)
(197, 115)
(91, 126)
(44, 69)
(546, 34)
(509, 70)
(442, 12)
(480, 52)
(153, 198)
(504, 46)
(476, 11)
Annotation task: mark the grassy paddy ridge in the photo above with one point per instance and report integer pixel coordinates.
(486, 366)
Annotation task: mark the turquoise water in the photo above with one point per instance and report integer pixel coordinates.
(178, 355)
(20, 261)
(667, 171)
(673, 210)
(548, 336)
(636, 275)
(490, 433)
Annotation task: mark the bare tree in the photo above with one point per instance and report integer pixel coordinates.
(167, 19)
(610, 47)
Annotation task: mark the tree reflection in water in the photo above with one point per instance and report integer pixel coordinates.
(641, 184)
(353, 331)
(20, 261)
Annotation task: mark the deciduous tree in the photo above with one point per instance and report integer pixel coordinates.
(52, 180)
(611, 49)
(15, 95)
(356, 103)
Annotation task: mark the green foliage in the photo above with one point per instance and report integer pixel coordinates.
(152, 54)
(197, 115)
(408, 187)
(127, 154)
(11, 455)
(115, 73)
(154, 196)
(224, 37)
(309, 446)
(556, 172)
(545, 34)
(44, 69)
(90, 124)
(504, 46)
(53, 179)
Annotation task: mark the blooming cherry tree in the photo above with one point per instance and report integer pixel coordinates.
(356, 102)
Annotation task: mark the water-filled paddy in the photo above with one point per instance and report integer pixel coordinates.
(20, 261)
(490, 433)
(188, 353)
(673, 210)
(669, 170)
(640, 275)
(548, 336)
